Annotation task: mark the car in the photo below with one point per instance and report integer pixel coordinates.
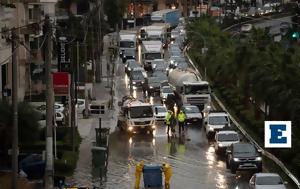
(130, 66)
(246, 28)
(164, 92)
(193, 114)
(215, 121)
(160, 112)
(266, 181)
(224, 139)
(59, 118)
(159, 65)
(243, 156)
(152, 85)
(136, 78)
(80, 106)
(57, 107)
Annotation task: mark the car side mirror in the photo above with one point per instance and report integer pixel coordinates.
(251, 182)
(285, 182)
(259, 150)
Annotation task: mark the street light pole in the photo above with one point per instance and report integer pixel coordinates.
(49, 106)
(15, 139)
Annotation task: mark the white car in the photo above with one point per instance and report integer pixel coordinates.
(267, 181)
(164, 92)
(224, 139)
(59, 118)
(80, 106)
(193, 114)
(215, 121)
(59, 107)
(160, 112)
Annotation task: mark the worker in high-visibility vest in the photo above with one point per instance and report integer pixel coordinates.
(168, 120)
(166, 168)
(181, 117)
(138, 172)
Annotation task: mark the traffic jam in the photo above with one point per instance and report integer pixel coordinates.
(167, 115)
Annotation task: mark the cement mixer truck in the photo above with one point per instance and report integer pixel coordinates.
(135, 115)
(189, 88)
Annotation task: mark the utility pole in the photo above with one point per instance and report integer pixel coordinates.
(86, 110)
(15, 139)
(49, 106)
(72, 101)
(98, 65)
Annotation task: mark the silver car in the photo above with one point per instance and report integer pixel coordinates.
(267, 181)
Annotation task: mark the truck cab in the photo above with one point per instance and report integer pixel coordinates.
(136, 116)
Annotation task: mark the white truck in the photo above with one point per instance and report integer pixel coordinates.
(127, 44)
(151, 50)
(189, 88)
(157, 31)
(136, 116)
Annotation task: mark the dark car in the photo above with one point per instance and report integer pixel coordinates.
(132, 66)
(152, 85)
(137, 78)
(243, 156)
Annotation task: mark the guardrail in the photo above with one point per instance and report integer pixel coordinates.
(266, 153)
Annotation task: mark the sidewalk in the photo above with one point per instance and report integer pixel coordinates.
(86, 127)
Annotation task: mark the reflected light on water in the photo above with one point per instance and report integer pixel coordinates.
(154, 132)
(130, 141)
(151, 100)
(126, 80)
(139, 54)
(210, 156)
(153, 142)
(134, 93)
(221, 181)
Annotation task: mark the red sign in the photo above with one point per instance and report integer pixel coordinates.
(61, 83)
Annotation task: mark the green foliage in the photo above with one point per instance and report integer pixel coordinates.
(114, 10)
(27, 124)
(254, 68)
(66, 165)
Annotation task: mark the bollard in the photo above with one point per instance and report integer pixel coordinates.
(138, 173)
(166, 168)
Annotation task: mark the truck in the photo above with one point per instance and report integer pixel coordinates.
(158, 31)
(189, 88)
(135, 115)
(170, 16)
(127, 44)
(151, 50)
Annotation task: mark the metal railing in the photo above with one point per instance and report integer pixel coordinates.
(242, 130)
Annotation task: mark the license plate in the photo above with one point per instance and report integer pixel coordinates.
(142, 127)
(194, 119)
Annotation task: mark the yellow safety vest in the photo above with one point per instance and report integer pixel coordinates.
(181, 117)
(167, 119)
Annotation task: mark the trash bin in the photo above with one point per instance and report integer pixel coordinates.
(152, 176)
(99, 156)
(102, 135)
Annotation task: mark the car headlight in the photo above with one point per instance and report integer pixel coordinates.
(153, 126)
(130, 128)
(258, 159)
(151, 87)
(133, 82)
(220, 145)
(236, 159)
(129, 69)
(211, 128)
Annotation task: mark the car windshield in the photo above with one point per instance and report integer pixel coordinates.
(137, 75)
(141, 112)
(152, 56)
(196, 89)
(228, 137)
(166, 90)
(154, 80)
(191, 109)
(268, 180)
(134, 65)
(244, 149)
(161, 109)
(218, 120)
(127, 44)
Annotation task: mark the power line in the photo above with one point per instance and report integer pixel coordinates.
(24, 26)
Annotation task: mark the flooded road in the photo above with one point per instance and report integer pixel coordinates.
(192, 156)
